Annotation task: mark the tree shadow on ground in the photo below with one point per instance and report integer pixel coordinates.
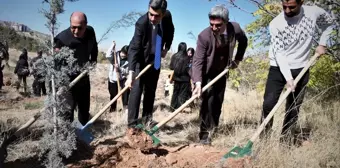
(157, 151)
(192, 136)
(98, 128)
(83, 152)
(301, 135)
(32, 162)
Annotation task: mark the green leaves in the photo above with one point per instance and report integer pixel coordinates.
(258, 31)
(323, 73)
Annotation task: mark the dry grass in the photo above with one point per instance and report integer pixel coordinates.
(239, 120)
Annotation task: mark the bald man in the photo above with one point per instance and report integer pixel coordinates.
(82, 39)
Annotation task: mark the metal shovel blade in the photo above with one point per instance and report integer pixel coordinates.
(238, 152)
(83, 134)
(155, 140)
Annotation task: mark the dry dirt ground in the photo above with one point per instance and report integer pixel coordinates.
(110, 149)
(317, 137)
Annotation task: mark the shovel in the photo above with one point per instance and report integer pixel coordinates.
(239, 152)
(151, 133)
(13, 137)
(82, 133)
(120, 100)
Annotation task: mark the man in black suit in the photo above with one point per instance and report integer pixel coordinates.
(81, 38)
(154, 32)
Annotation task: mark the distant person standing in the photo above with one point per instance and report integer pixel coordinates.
(191, 53)
(39, 79)
(82, 39)
(122, 67)
(180, 65)
(22, 70)
(3, 56)
(1, 75)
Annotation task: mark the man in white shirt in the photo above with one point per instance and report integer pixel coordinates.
(291, 41)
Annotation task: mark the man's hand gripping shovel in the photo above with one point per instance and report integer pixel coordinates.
(238, 151)
(82, 133)
(153, 130)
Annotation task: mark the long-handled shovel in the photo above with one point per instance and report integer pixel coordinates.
(82, 132)
(17, 133)
(237, 151)
(120, 100)
(153, 130)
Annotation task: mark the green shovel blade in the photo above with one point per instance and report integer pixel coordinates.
(155, 140)
(238, 151)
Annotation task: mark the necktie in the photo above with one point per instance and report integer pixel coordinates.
(223, 39)
(158, 48)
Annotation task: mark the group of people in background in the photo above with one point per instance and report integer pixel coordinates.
(25, 68)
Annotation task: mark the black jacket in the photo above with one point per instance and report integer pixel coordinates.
(85, 49)
(21, 64)
(140, 44)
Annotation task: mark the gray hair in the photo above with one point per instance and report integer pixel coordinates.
(158, 4)
(219, 12)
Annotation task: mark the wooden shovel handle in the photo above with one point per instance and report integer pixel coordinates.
(177, 111)
(38, 115)
(171, 76)
(282, 99)
(117, 75)
(94, 118)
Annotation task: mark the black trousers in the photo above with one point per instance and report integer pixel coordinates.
(211, 106)
(181, 93)
(23, 79)
(79, 96)
(147, 84)
(113, 90)
(38, 87)
(274, 86)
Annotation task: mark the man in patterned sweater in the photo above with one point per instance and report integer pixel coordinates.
(291, 41)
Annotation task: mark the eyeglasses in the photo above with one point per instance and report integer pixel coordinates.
(76, 27)
(217, 25)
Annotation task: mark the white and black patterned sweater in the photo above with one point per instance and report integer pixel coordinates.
(291, 38)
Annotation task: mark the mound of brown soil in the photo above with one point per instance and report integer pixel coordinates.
(139, 140)
(122, 155)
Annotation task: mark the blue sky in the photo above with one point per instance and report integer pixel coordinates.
(188, 15)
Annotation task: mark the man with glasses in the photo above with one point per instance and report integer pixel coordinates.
(154, 32)
(291, 41)
(82, 39)
(214, 51)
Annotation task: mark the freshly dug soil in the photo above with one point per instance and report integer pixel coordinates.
(122, 155)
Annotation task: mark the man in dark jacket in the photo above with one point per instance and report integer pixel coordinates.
(82, 39)
(214, 52)
(154, 32)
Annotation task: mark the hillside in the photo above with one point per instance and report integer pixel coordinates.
(21, 36)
